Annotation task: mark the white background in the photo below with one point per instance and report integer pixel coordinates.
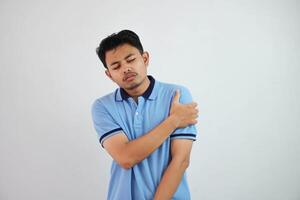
(240, 60)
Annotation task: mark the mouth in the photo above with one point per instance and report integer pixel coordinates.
(129, 77)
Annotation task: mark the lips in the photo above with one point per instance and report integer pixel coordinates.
(129, 75)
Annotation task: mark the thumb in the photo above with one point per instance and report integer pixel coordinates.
(176, 97)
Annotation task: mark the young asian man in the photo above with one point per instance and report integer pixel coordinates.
(145, 125)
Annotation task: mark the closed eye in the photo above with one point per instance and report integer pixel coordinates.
(116, 67)
(130, 60)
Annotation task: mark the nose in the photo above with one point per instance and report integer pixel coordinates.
(127, 69)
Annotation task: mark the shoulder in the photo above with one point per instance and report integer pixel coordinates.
(170, 88)
(104, 101)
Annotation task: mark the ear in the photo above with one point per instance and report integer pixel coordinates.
(108, 74)
(145, 56)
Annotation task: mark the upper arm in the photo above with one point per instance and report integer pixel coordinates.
(182, 138)
(181, 150)
(188, 132)
(115, 146)
(110, 134)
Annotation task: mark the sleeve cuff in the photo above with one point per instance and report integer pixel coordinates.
(189, 136)
(109, 134)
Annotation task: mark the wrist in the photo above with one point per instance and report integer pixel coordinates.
(174, 121)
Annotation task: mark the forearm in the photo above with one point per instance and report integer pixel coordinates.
(138, 149)
(170, 180)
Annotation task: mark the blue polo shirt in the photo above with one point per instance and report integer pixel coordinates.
(118, 113)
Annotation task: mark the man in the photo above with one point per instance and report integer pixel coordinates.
(146, 126)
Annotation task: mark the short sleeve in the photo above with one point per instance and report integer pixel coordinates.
(103, 121)
(189, 132)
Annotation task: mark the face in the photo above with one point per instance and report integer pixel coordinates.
(126, 66)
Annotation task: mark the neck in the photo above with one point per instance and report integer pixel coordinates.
(140, 90)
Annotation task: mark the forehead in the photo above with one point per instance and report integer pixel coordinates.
(120, 52)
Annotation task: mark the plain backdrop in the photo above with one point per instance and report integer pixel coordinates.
(239, 59)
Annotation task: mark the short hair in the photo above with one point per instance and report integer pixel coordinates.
(117, 39)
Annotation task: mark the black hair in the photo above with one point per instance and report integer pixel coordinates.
(118, 39)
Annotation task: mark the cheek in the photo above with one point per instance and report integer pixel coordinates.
(141, 65)
(117, 77)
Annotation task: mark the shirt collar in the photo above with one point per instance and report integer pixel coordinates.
(121, 94)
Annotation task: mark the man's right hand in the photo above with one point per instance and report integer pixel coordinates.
(183, 114)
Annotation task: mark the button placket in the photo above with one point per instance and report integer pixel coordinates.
(138, 118)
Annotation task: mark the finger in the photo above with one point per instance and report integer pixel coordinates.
(192, 105)
(194, 116)
(194, 121)
(195, 113)
(176, 97)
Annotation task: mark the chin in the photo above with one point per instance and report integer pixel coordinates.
(133, 85)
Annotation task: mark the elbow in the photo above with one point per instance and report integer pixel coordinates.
(126, 165)
(126, 162)
(126, 159)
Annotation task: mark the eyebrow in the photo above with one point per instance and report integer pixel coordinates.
(116, 62)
